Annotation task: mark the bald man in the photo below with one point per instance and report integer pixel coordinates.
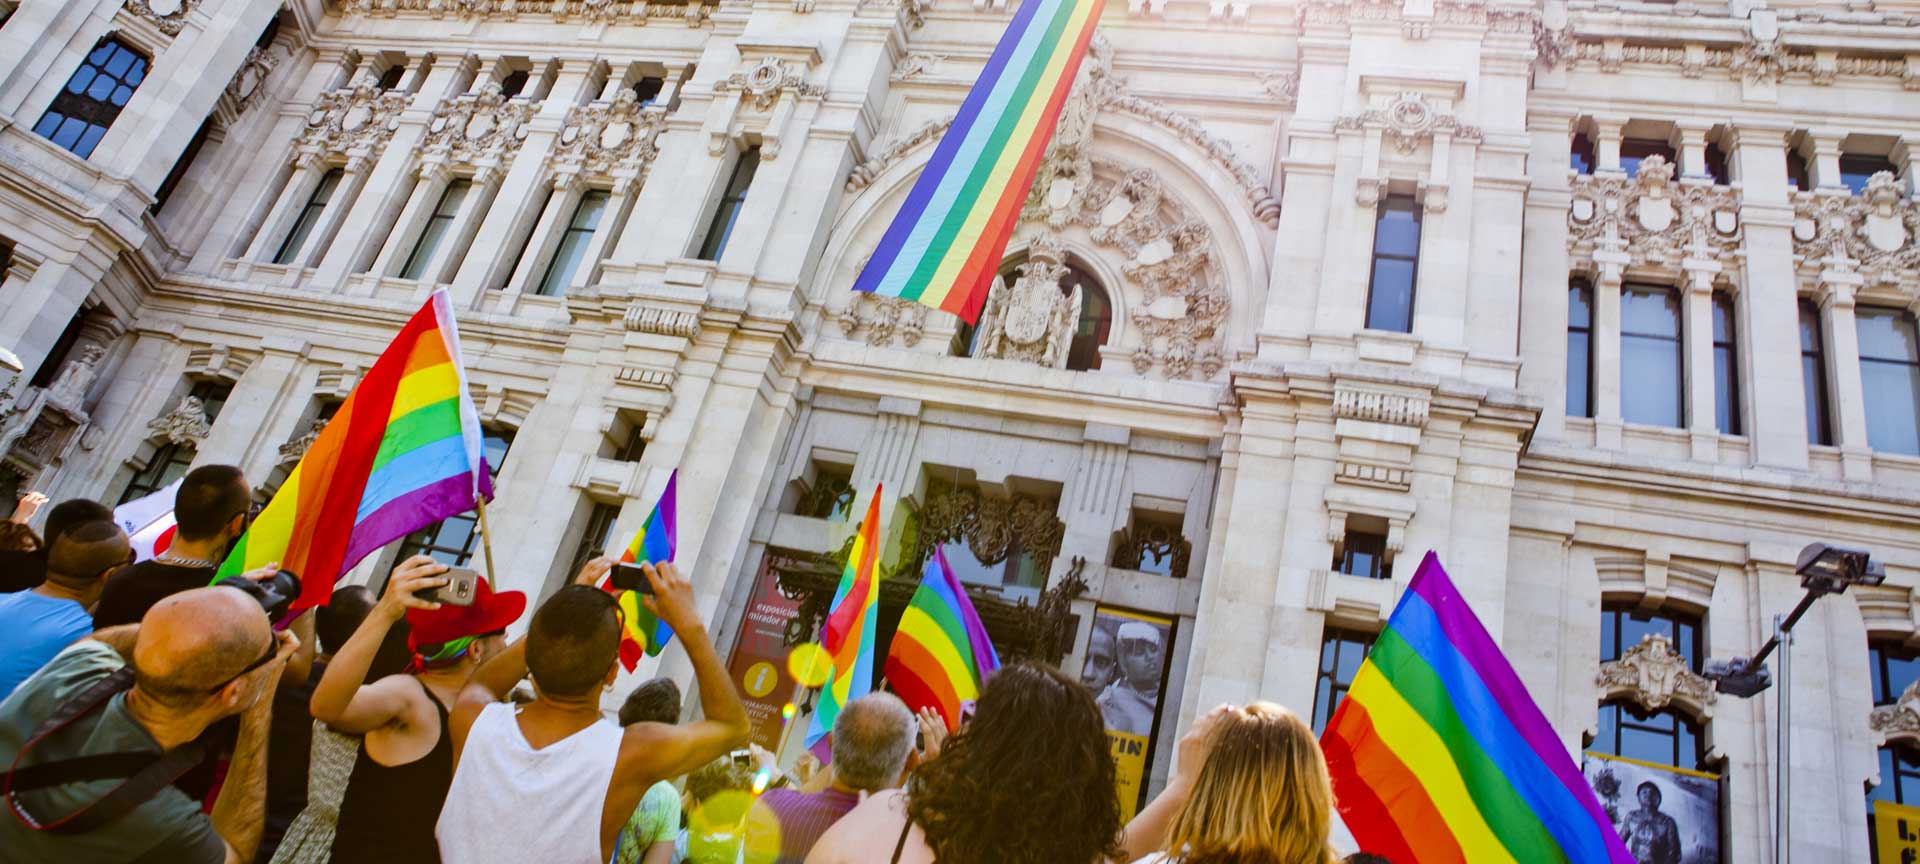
(196, 657)
(41, 622)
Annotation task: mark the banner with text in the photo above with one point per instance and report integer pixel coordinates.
(1896, 833)
(1126, 667)
(759, 661)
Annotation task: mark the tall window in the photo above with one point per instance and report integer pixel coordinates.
(1341, 652)
(93, 97)
(1813, 376)
(1895, 668)
(1856, 170)
(1580, 348)
(731, 202)
(171, 461)
(1726, 368)
(1396, 260)
(1364, 554)
(1582, 158)
(1717, 165)
(1096, 319)
(1633, 151)
(513, 84)
(596, 539)
(573, 244)
(62, 347)
(179, 170)
(309, 217)
(1899, 784)
(1667, 737)
(1797, 173)
(1622, 626)
(390, 78)
(648, 89)
(454, 540)
(1650, 355)
(437, 227)
(1890, 377)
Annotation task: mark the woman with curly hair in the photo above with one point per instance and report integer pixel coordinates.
(1028, 780)
(1251, 787)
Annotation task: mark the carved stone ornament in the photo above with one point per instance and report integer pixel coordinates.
(629, 12)
(1409, 122)
(69, 389)
(1652, 218)
(1901, 720)
(350, 122)
(292, 451)
(250, 81)
(912, 12)
(609, 139)
(185, 424)
(761, 85)
(1653, 675)
(167, 15)
(1754, 60)
(988, 525)
(883, 320)
(1032, 319)
(1876, 233)
(478, 129)
(917, 64)
(866, 172)
(1283, 86)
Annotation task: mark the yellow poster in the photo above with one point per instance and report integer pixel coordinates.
(1129, 770)
(1896, 833)
(1126, 668)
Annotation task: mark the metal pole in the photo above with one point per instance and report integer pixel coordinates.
(1783, 735)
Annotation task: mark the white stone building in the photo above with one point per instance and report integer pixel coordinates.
(1310, 288)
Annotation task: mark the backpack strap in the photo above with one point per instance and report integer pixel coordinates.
(145, 773)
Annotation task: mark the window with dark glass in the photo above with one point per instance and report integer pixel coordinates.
(1797, 173)
(437, 227)
(1154, 543)
(1650, 367)
(1633, 151)
(513, 84)
(648, 88)
(1726, 368)
(1899, 784)
(1341, 652)
(57, 357)
(171, 461)
(1363, 554)
(1890, 379)
(596, 539)
(1667, 737)
(309, 217)
(572, 250)
(1396, 260)
(1579, 348)
(732, 200)
(1583, 157)
(268, 33)
(1624, 625)
(180, 166)
(1895, 668)
(831, 494)
(390, 78)
(1856, 170)
(636, 446)
(93, 98)
(454, 540)
(1717, 165)
(526, 239)
(1813, 376)
(1020, 571)
(1096, 319)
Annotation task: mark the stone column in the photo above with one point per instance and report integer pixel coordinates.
(1096, 502)
(1545, 269)
(430, 182)
(1608, 130)
(1700, 396)
(353, 179)
(1693, 150)
(612, 220)
(1769, 311)
(43, 303)
(240, 436)
(1607, 420)
(41, 46)
(1842, 335)
(567, 190)
(887, 456)
(1826, 158)
(308, 171)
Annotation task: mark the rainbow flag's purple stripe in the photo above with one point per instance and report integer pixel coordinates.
(657, 541)
(940, 657)
(944, 246)
(848, 640)
(1439, 755)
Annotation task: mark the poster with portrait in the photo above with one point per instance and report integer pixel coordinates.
(1126, 668)
(1666, 815)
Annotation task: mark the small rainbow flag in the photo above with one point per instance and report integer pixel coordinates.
(656, 542)
(402, 453)
(1439, 755)
(943, 248)
(940, 656)
(851, 621)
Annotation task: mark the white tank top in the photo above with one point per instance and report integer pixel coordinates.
(510, 803)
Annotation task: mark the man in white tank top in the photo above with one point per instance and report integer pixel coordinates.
(552, 782)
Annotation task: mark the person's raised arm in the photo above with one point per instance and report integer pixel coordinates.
(240, 815)
(1147, 833)
(669, 751)
(339, 700)
(500, 674)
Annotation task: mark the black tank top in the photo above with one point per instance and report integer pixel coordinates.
(388, 813)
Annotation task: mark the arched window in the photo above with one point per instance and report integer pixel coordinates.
(92, 100)
(1089, 333)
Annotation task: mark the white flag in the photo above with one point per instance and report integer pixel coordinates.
(149, 521)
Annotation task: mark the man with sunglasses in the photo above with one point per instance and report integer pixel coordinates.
(211, 510)
(138, 698)
(40, 622)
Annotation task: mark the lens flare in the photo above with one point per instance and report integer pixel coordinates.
(810, 665)
(788, 712)
(733, 820)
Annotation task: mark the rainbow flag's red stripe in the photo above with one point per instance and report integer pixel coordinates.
(402, 453)
(851, 621)
(940, 656)
(944, 246)
(1439, 755)
(645, 634)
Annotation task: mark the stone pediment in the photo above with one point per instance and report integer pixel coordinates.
(1654, 676)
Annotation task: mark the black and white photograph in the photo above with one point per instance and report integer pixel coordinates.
(1126, 661)
(1664, 815)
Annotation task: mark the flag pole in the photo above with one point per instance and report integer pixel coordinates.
(486, 539)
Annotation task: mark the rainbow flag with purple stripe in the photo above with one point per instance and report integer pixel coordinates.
(402, 453)
(940, 657)
(851, 622)
(1439, 755)
(645, 633)
(943, 248)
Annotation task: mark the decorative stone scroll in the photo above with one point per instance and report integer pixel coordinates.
(917, 64)
(250, 81)
(1409, 122)
(478, 129)
(760, 86)
(185, 424)
(1652, 218)
(292, 451)
(864, 174)
(1901, 720)
(884, 320)
(609, 139)
(169, 16)
(1876, 232)
(1653, 675)
(351, 122)
(1755, 60)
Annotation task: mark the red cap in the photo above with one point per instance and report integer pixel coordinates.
(490, 612)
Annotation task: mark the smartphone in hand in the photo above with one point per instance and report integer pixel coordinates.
(629, 577)
(462, 585)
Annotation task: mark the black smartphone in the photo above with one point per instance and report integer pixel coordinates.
(629, 577)
(459, 591)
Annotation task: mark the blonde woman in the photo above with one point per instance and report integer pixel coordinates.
(1251, 787)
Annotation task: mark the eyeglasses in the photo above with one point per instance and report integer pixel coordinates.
(272, 649)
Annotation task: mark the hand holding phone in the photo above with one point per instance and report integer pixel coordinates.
(462, 585)
(629, 577)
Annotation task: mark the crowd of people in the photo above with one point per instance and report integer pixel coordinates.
(145, 716)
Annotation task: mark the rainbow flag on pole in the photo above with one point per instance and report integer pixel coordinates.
(943, 248)
(940, 656)
(850, 624)
(402, 453)
(656, 542)
(1439, 755)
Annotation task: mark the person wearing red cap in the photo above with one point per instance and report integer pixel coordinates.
(405, 766)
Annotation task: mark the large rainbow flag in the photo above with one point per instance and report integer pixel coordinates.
(940, 656)
(646, 634)
(1439, 755)
(851, 621)
(943, 248)
(402, 453)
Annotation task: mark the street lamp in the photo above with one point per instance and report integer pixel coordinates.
(1823, 570)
